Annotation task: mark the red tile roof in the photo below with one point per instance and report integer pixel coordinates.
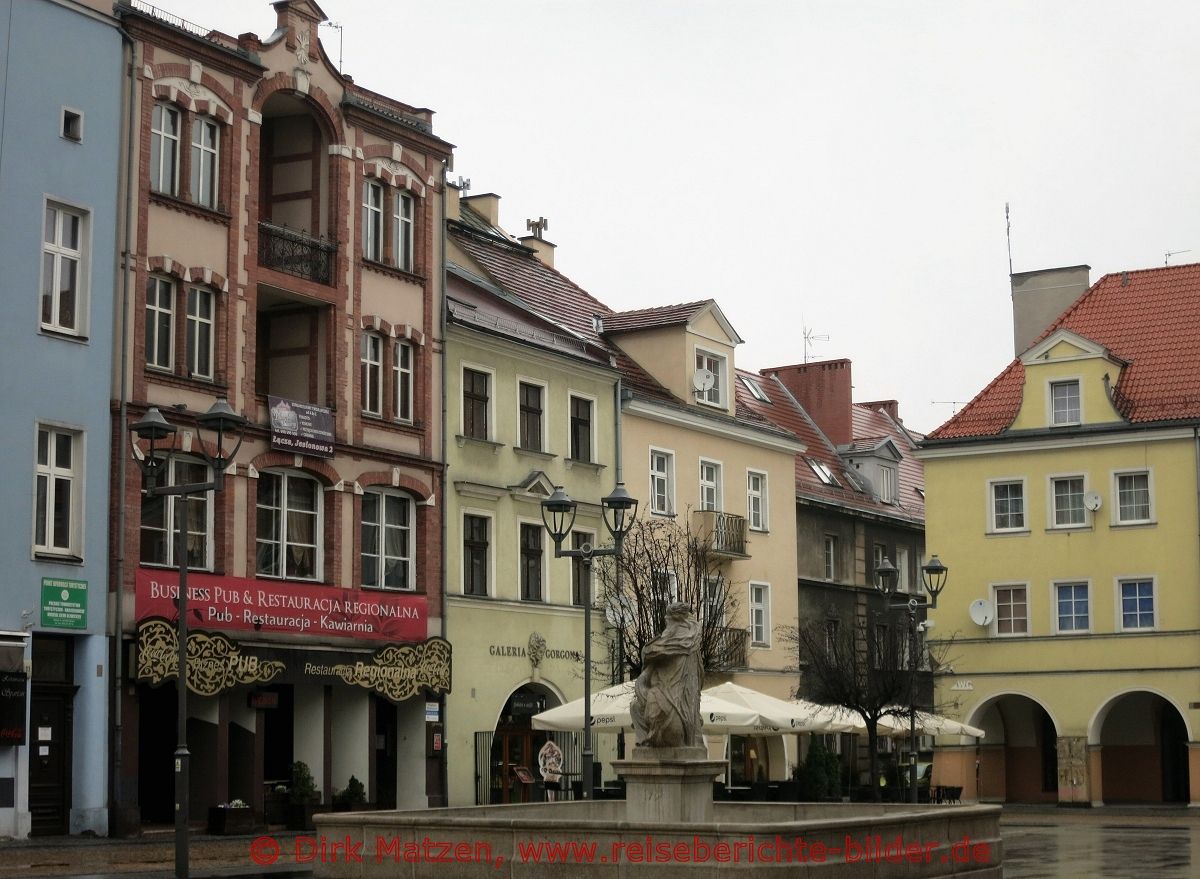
(1149, 318)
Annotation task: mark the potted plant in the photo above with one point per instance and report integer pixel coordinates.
(275, 804)
(351, 798)
(303, 798)
(230, 818)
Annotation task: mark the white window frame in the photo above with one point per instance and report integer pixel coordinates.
(1056, 620)
(490, 560)
(903, 580)
(1116, 496)
(1052, 481)
(761, 496)
(822, 472)
(665, 478)
(281, 538)
(166, 142)
(402, 378)
(381, 556)
(53, 473)
(59, 253)
(543, 442)
(490, 409)
(713, 485)
(993, 524)
(370, 359)
(171, 506)
(755, 389)
(717, 394)
(888, 484)
(195, 323)
(154, 314)
(206, 192)
(1052, 411)
(995, 590)
(403, 240)
(372, 220)
(760, 614)
(593, 451)
(545, 573)
(713, 606)
(829, 546)
(1120, 583)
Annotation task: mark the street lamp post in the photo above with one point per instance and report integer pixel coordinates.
(558, 517)
(155, 465)
(933, 578)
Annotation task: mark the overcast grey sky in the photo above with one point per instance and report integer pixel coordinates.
(841, 165)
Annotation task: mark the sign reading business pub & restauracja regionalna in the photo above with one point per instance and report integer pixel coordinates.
(239, 604)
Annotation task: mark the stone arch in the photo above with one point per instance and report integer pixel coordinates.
(322, 108)
(975, 716)
(316, 467)
(1096, 724)
(174, 69)
(395, 331)
(1018, 758)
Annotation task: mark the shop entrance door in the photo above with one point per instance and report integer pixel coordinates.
(384, 789)
(50, 761)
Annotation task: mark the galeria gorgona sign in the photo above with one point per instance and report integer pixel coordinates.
(239, 604)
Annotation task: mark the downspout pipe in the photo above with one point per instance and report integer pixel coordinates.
(124, 270)
(445, 468)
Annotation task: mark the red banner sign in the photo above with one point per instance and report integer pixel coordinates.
(236, 604)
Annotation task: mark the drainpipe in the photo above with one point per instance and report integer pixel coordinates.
(620, 585)
(125, 267)
(445, 468)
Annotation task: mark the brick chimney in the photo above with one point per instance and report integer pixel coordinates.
(890, 408)
(1039, 297)
(300, 18)
(825, 391)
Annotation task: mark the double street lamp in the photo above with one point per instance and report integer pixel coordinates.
(155, 464)
(558, 517)
(933, 578)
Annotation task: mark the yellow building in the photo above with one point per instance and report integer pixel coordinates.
(1064, 500)
(698, 457)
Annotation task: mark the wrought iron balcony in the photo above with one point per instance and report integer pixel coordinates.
(729, 650)
(295, 253)
(725, 532)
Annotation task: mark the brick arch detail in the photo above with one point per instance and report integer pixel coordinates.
(395, 331)
(383, 479)
(287, 461)
(174, 68)
(404, 178)
(166, 265)
(329, 117)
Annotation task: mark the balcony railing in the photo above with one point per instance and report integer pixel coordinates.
(729, 650)
(725, 532)
(295, 253)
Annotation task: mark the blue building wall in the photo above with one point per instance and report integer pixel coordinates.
(56, 54)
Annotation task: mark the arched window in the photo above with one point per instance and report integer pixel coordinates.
(198, 167)
(289, 526)
(388, 539)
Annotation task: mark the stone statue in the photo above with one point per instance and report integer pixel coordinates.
(666, 701)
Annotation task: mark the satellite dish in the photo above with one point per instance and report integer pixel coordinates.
(703, 380)
(1092, 500)
(981, 612)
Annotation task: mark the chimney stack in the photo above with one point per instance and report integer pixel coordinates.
(543, 248)
(825, 391)
(890, 408)
(1039, 297)
(487, 205)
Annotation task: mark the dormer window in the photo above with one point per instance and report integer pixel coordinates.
(887, 485)
(823, 472)
(715, 364)
(1064, 402)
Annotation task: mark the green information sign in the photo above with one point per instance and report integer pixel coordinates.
(64, 603)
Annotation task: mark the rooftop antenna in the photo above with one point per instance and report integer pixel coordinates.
(1008, 235)
(1171, 253)
(537, 227)
(953, 403)
(464, 184)
(339, 30)
(809, 337)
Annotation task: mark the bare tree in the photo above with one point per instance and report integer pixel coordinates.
(864, 668)
(662, 562)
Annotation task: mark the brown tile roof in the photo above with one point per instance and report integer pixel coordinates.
(784, 411)
(1149, 318)
(649, 318)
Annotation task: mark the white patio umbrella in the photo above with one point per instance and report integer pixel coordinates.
(780, 717)
(610, 713)
(928, 724)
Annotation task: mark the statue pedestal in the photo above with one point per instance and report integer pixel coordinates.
(669, 785)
